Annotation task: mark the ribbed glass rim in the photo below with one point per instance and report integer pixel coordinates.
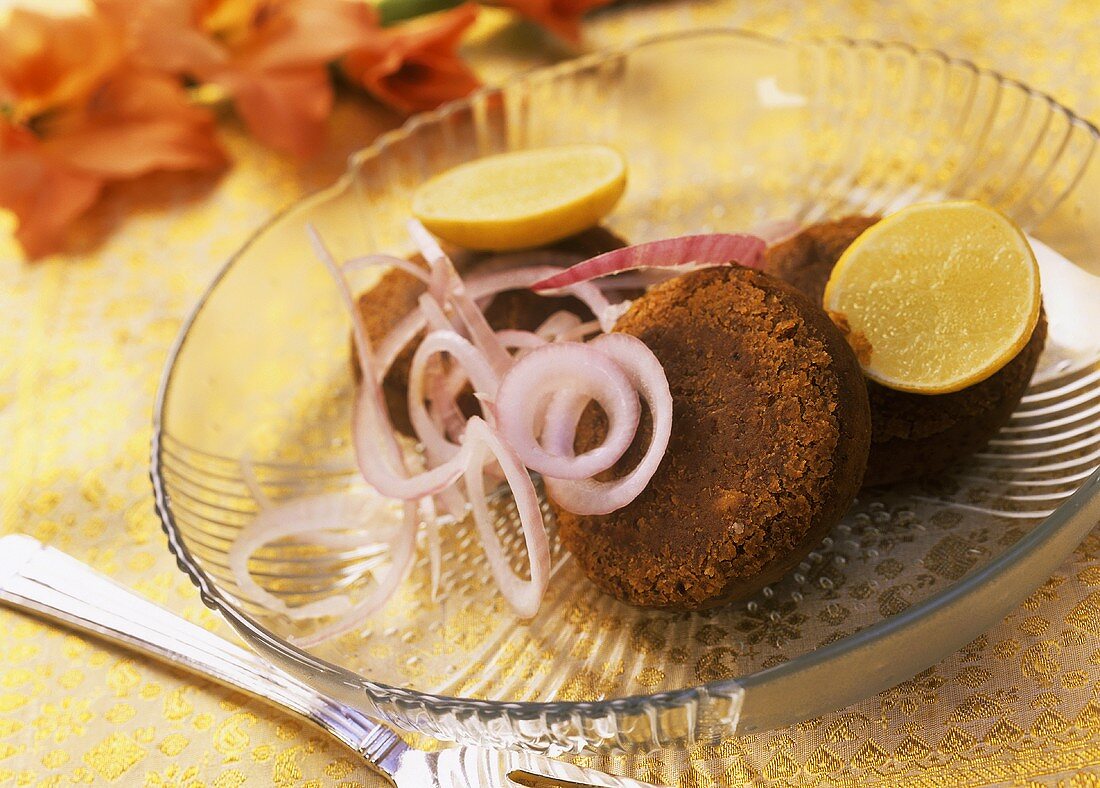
(1060, 532)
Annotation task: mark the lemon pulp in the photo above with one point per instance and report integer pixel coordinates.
(524, 198)
(943, 294)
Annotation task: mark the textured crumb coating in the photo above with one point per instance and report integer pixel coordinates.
(912, 435)
(770, 437)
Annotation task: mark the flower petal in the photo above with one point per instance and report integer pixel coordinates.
(310, 33)
(284, 109)
(270, 56)
(164, 34)
(138, 122)
(44, 195)
(416, 66)
(48, 61)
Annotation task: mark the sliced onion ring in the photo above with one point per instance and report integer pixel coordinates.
(579, 332)
(306, 517)
(366, 427)
(484, 285)
(540, 390)
(387, 260)
(401, 552)
(434, 317)
(524, 596)
(515, 339)
(580, 370)
(376, 451)
(397, 340)
(588, 496)
(557, 324)
(711, 249)
(474, 367)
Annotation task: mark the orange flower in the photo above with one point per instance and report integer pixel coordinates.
(269, 55)
(75, 115)
(561, 17)
(415, 65)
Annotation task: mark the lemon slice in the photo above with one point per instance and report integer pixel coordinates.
(937, 297)
(522, 199)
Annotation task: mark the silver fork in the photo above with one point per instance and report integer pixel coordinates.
(40, 579)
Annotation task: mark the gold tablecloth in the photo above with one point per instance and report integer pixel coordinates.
(81, 349)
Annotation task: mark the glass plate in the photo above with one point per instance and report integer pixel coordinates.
(723, 130)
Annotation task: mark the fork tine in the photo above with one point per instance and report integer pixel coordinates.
(481, 767)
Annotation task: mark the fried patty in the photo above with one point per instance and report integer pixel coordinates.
(770, 435)
(912, 435)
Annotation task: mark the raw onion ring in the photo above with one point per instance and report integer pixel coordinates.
(557, 324)
(380, 260)
(524, 596)
(516, 339)
(579, 370)
(479, 286)
(299, 516)
(367, 423)
(402, 550)
(710, 249)
(474, 367)
(378, 458)
(579, 332)
(534, 396)
(588, 496)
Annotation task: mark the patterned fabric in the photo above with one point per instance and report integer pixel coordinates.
(82, 347)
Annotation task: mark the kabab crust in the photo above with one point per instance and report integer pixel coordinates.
(912, 435)
(770, 437)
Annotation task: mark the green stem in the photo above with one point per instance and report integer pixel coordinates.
(393, 11)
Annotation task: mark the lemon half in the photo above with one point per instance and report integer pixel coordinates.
(522, 199)
(943, 295)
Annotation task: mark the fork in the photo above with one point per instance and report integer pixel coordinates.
(45, 581)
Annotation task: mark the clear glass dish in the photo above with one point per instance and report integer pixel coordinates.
(723, 130)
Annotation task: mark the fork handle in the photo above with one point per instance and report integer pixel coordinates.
(46, 581)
